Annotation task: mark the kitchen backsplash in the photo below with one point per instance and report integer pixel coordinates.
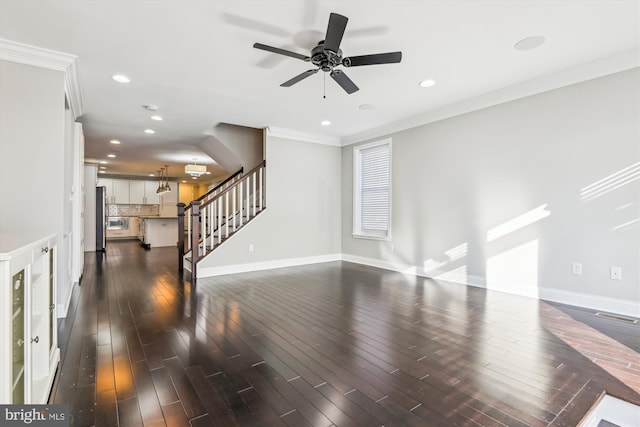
(132, 210)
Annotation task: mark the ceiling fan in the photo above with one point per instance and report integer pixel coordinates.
(327, 55)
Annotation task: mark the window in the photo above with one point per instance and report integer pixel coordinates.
(372, 190)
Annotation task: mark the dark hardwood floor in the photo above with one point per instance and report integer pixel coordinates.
(326, 344)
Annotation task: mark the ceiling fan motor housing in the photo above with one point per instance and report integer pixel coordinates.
(324, 58)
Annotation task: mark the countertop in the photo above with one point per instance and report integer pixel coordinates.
(157, 217)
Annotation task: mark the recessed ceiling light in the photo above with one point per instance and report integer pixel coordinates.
(427, 83)
(366, 106)
(149, 131)
(103, 167)
(115, 142)
(113, 156)
(102, 172)
(183, 181)
(150, 107)
(529, 43)
(103, 162)
(121, 78)
(152, 174)
(156, 118)
(325, 123)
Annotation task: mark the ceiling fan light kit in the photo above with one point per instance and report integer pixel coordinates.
(327, 55)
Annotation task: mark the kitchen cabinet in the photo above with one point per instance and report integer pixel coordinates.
(29, 352)
(150, 195)
(136, 192)
(169, 202)
(108, 183)
(158, 231)
(117, 190)
(143, 193)
(120, 191)
(134, 226)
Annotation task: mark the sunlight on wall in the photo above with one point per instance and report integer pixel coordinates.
(457, 275)
(515, 270)
(518, 223)
(627, 225)
(453, 254)
(615, 180)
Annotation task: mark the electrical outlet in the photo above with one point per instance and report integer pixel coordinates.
(616, 273)
(251, 247)
(577, 268)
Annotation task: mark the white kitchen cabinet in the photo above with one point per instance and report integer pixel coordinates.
(121, 191)
(108, 184)
(169, 202)
(117, 190)
(136, 192)
(159, 231)
(29, 351)
(150, 195)
(134, 226)
(143, 193)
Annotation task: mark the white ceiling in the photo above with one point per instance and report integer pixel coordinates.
(194, 59)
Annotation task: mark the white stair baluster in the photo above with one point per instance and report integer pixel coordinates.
(261, 172)
(233, 207)
(253, 180)
(203, 230)
(241, 201)
(226, 215)
(188, 215)
(219, 202)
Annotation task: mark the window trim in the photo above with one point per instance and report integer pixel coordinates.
(357, 231)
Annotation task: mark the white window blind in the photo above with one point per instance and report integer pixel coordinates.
(373, 190)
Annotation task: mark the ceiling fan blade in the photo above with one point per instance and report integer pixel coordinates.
(345, 82)
(378, 58)
(299, 77)
(335, 31)
(280, 51)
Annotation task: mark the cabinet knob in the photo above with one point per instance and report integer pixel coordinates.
(20, 342)
(45, 250)
(36, 339)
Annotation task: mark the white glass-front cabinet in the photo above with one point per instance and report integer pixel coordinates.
(29, 352)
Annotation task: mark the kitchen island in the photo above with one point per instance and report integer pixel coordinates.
(158, 231)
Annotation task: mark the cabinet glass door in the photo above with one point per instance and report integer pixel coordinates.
(52, 302)
(17, 337)
(38, 328)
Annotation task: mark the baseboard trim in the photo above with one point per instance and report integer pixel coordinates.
(265, 265)
(61, 310)
(594, 302)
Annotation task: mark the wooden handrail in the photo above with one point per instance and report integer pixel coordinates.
(203, 222)
(244, 177)
(214, 189)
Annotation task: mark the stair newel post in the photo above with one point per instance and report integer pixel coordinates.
(181, 207)
(195, 238)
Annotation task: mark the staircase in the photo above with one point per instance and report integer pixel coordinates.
(217, 215)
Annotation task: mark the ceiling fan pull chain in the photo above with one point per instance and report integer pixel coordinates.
(324, 86)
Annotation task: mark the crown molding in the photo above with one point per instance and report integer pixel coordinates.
(592, 70)
(49, 59)
(303, 136)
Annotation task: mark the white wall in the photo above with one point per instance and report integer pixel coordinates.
(31, 148)
(35, 147)
(564, 164)
(302, 220)
(90, 178)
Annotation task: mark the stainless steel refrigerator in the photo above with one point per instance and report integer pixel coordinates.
(101, 218)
